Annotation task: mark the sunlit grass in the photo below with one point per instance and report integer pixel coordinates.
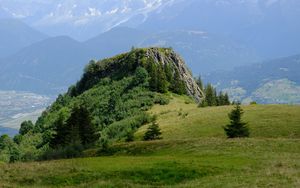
(194, 152)
(265, 121)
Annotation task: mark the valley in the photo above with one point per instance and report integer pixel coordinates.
(16, 107)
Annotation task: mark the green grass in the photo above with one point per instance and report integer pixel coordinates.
(265, 121)
(193, 153)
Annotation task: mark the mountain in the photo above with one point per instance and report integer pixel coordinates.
(110, 101)
(79, 19)
(8, 131)
(47, 66)
(115, 41)
(270, 27)
(15, 35)
(273, 81)
(204, 52)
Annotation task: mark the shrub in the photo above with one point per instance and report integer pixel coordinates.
(153, 132)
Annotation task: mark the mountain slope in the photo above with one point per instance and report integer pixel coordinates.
(15, 35)
(274, 81)
(109, 103)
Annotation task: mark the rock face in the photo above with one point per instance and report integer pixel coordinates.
(168, 56)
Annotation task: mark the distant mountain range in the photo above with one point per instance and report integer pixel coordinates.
(52, 64)
(211, 35)
(270, 27)
(274, 81)
(15, 35)
(44, 66)
(9, 131)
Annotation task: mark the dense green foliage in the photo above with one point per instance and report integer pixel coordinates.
(78, 128)
(25, 127)
(107, 105)
(9, 151)
(236, 127)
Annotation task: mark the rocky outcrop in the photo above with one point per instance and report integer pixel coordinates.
(167, 55)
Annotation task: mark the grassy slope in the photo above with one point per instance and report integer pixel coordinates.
(193, 153)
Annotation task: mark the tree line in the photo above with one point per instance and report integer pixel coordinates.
(211, 96)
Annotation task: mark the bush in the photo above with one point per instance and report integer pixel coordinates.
(161, 99)
(236, 128)
(71, 151)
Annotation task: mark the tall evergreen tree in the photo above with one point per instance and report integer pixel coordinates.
(77, 129)
(210, 95)
(236, 127)
(226, 99)
(177, 85)
(199, 83)
(152, 70)
(162, 83)
(61, 130)
(81, 128)
(168, 72)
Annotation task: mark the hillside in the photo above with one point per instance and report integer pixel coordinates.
(107, 105)
(193, 153)
(273, 81)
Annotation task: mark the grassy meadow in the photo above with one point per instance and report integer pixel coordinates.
(194, 152)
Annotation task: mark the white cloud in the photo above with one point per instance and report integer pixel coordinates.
(113, 11)
(93, 12)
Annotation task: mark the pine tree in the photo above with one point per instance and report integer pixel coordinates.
(152, 70)
(226, 99)
(210, 95)
(177, 85)
(153, 132)
(77, 129)
(199, 83)
(168, 72)
(61, 131)
(87, 130)
(236, 128)
(162, 83)
(81, 129)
